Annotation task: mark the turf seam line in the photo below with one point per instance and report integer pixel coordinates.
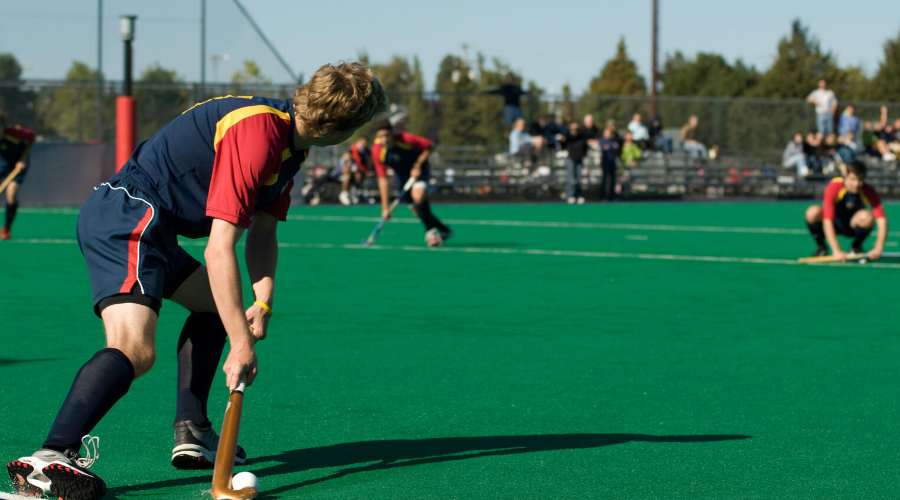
(527, 251)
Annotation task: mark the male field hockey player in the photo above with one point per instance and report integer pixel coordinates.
(223, 167)
(844, 212)
(408, 155)
(15, 145)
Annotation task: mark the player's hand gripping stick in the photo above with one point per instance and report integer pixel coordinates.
(228, 440)
(371, 239)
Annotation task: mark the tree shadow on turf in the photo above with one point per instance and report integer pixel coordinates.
(388, 454)
(7, 362)
(483, 244)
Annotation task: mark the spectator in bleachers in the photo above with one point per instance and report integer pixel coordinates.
(849, 122)
(611, 125)
(631, 152)
(826, 107)
(689, 140)
(794, 156)
(884, 137)
(846, 150)
(545, 129)
(576, 141)
(589, 128)
(639, 133)
(658, 136)
(869, 140)
(609, 153)
(521, 143)
(812, 148)
(512, 99)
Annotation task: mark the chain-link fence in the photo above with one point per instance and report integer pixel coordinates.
(66, 111)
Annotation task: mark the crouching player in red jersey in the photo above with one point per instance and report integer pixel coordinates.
(408, 155)
(843, 211)
(15, 145)
(223, 167)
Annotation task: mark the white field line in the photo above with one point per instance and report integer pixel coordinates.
(513, 251)
(11, 496)
(576, 225)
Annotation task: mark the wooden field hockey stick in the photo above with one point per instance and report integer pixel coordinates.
(850, 256)
(371, 239)
(9, 178)
(228, 440)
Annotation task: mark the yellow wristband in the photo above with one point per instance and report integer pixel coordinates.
(265, 307)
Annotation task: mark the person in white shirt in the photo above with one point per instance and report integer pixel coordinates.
(639, 132)
(826, 106)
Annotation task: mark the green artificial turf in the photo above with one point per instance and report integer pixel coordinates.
(560, 356)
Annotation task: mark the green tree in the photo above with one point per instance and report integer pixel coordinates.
(249, 75)
(18, 104)
(885, 85)
(800, 64)
(160, 97)
(460, 117)
(707, 75)
(619, 76)
(72, 110)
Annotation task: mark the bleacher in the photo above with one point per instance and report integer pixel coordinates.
(475, 173)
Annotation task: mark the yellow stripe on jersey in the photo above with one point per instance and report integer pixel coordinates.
(14, 140)
(863, 197)
(840, 195)
(271, 180)
(214, 98)
(232, 119)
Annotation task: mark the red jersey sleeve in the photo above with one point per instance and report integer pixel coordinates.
(416, 141)
(378, 157)
(874, 201)
(357, 158)
(831, 192)
(246, 156)
(279, 209)
(22, 134)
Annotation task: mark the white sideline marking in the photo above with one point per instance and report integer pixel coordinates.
(511, 251)
(637, 237)
(579, 225)
(10, 496)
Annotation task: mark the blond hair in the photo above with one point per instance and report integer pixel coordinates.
(339, 98)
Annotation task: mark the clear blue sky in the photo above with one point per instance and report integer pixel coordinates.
(542, 42)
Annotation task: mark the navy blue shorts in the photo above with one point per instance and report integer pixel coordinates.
(131, 249)
(403, 176)
(842, 226)
(7, 168)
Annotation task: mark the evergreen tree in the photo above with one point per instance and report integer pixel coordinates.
(708, 75)
(885, 86)
(18, 104)
(72, 110)
(619, 76)
(249, 75)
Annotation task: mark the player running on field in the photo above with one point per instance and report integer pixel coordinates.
(408, 155)
(15, 145)
(222, 168)
(354, 171)
(843, 211)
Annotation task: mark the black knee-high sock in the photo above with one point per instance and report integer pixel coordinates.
(99, 384)
(818, 234)
(859, 235)
(199, 350)
(423, 210)
(11, 209)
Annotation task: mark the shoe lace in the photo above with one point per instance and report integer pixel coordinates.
(91, 449)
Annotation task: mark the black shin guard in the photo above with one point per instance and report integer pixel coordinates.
(423, 210)
(11, 209)
(818, 234)
(199, 351)
(100, 383)
(859, 235)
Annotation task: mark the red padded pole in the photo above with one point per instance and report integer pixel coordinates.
(125, 130)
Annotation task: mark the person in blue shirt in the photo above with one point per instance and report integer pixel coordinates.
(849, 122)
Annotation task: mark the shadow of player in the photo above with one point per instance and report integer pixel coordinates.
(368, 456)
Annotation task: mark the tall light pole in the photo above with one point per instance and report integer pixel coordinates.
(215, 58)
(100, 70)
(202, 49)
(125, 109)
(654, 78)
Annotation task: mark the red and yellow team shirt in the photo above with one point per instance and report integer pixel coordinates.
(402, 156)
(843, 204)
(225, 158)
(13, 144)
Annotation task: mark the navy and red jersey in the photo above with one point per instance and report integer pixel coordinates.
(14, 143)
(402, 156)
(225, 158)
(362, 157)
(842, 204)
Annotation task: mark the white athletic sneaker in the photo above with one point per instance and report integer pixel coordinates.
(354, 195)
(581, 200)
(433, 238)
(446, 235)
(888, 157)
(344, 198)
(315, 200)
(571, 200)
(59, 475)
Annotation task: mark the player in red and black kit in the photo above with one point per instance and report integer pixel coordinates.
(408, 155)
(844, 212)
(222, 168)
(15, 145)
(353, 172)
